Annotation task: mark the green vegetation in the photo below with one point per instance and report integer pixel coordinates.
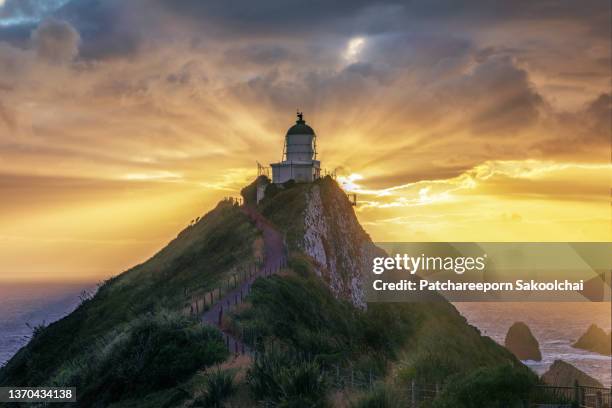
(199, 259)
(285, 206)
(441, 327)
(280, 379)
(303, 315)
(131, 346)
(219, 387)
(501, 386)
(153, 353)
(382, 396)
(430, 343)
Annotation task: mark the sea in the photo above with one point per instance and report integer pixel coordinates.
(555, 325)
(24, 306)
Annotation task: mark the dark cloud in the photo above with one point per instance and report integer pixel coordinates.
(258, 54)
(19, 11)
(109, 28)
(114, 28)
(425, 72)
(17, 8)
(598, 117)
(56, 41)
(17, 35)
(588, 130)
(432, 56)
(295, 17)
(498, 95)
(269, 16)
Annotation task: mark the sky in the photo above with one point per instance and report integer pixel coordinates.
(121, 121)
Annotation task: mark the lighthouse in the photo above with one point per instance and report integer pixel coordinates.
(299, 161)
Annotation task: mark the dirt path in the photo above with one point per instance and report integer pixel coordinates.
(274, 258)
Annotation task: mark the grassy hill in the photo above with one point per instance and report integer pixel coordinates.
(300, 313)
(200, 257)
(131, 345)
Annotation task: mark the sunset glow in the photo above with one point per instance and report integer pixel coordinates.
(108, 148)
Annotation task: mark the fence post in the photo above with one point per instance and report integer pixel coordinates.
(598, 400)
(338, 375)
(577, 393)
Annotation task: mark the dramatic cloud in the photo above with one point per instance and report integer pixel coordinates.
(15, 12)
(56, 41)
(436, 113)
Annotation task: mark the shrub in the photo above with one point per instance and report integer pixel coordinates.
(381, 396)
(219, 386)
(157, 352)
(430, 367)
(300, 264)
(501, 387)
(278, 378)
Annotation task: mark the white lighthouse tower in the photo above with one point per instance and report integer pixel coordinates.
(299, 155)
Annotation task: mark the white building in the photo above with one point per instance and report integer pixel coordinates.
(299, 155)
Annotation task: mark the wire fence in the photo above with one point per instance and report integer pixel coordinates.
(545, 396)
(200, 302)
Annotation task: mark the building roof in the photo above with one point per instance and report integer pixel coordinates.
(300, 127)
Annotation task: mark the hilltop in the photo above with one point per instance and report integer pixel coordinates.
(141, 340)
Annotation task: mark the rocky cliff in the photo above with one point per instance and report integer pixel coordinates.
(329, 233)
(334, 239)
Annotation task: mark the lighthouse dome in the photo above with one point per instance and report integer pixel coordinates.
(300, 127)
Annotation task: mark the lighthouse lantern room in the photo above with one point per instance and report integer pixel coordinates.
(299, 155)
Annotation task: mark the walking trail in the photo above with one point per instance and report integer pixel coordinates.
(273, 259)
